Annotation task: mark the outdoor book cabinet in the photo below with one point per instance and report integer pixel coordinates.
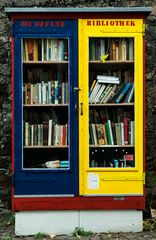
(78, 107)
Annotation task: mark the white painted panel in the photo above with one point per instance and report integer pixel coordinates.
(64, 222)
(57, 222)
(112, 221)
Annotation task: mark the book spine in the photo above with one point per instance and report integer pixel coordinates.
(125, 123)
(123, 92)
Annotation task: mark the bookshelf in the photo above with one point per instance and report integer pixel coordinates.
(111, 102)
(45, 101)
(112, 96)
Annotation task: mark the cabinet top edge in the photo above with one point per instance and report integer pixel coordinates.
(11, 10)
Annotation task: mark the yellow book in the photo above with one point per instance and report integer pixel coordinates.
(35, 50)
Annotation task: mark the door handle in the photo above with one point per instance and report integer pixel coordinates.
(76, 89)
(81, 109)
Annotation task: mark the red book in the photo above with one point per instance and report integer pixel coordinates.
(125, 122)
(30, 49)
(129, 157)
(64, 135)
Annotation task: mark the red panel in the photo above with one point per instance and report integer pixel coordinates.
(78, 203)
(77, 15)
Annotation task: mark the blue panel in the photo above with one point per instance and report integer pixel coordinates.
(34, 182)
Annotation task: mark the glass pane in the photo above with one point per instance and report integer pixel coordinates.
(111, 102)
(45, 103)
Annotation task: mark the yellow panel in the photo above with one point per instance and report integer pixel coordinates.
(110, 181)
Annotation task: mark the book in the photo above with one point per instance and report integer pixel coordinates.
(50, 132)
(118, 133)
(110, 93)
(92, 86)
(100, 134)
(53, 164)
(122, 94)
(131, 94)
(108, 79)
(125, 123)
(94, 133)
(107, 94)
(129, 160)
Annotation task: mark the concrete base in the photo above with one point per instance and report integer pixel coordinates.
(65, 222)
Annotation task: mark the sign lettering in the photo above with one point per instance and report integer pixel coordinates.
(41, 24)
(113, 23)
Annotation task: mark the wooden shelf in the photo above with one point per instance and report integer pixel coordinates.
(46, 105)
(45, 62)
(112, 62)
(110, 104)
(111, 146)
(42, 147)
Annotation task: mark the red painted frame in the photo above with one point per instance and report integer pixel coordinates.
(78, 203)
(81, 202)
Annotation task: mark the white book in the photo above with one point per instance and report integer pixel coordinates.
(98, 94)
(54, 56)
(32, 135)
(132, 132)
(131, 50)
(60, 50)
(42, 42)
(47, 50)
(109, 81)
(39, 93)
(50, 132)
(43, 92)
(39, 134)
(103, 47)
(124, 50)
(102, 77)
(94, 92)
(26, 133)
(94, 133)
(35, 98)
(122, 133)
(56, 134)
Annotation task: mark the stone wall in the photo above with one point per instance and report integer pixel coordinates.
(5, 80)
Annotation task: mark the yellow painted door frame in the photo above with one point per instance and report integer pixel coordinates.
(110, 181)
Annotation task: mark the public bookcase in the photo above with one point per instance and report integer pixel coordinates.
(78, 110)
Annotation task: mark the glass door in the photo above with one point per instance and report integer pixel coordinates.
(111, 126)
(46, 117)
